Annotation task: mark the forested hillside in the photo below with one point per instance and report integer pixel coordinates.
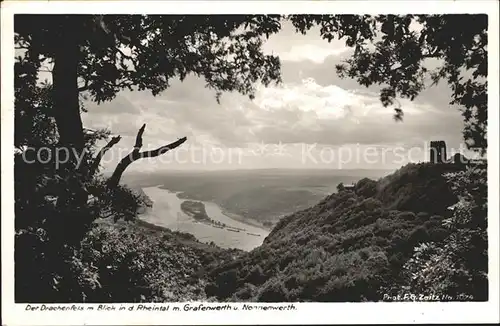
(352, 246)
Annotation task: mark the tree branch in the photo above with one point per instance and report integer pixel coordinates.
(124, 83)
(98, 158)
(163, 149)
(85, 87)
(433, 54)
(114, 180)
(138, 139)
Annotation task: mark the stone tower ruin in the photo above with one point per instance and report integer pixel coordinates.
(438, 151)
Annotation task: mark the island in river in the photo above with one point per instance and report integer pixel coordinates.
(197, 211)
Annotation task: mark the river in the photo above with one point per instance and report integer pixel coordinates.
(167, 212)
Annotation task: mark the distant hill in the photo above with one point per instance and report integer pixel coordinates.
(351, 246)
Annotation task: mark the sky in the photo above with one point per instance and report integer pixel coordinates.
(314, 119)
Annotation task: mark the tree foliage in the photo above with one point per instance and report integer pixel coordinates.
(148, 51)
(103, 54)
(456, 268)
(398, 53)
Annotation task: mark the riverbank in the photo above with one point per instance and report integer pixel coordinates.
(245, 220)
(151, 226)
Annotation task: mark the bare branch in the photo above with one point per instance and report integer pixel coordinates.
(114, 180)
(103, 151)
(138, 139)
(163, 149)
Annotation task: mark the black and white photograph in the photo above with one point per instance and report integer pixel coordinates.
(185, 162)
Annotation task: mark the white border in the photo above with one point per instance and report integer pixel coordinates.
(14, 314)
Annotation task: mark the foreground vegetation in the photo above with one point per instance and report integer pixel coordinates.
(127, 262)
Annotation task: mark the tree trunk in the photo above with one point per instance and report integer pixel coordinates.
(65, 83)
(97, 160)
(67, 111)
